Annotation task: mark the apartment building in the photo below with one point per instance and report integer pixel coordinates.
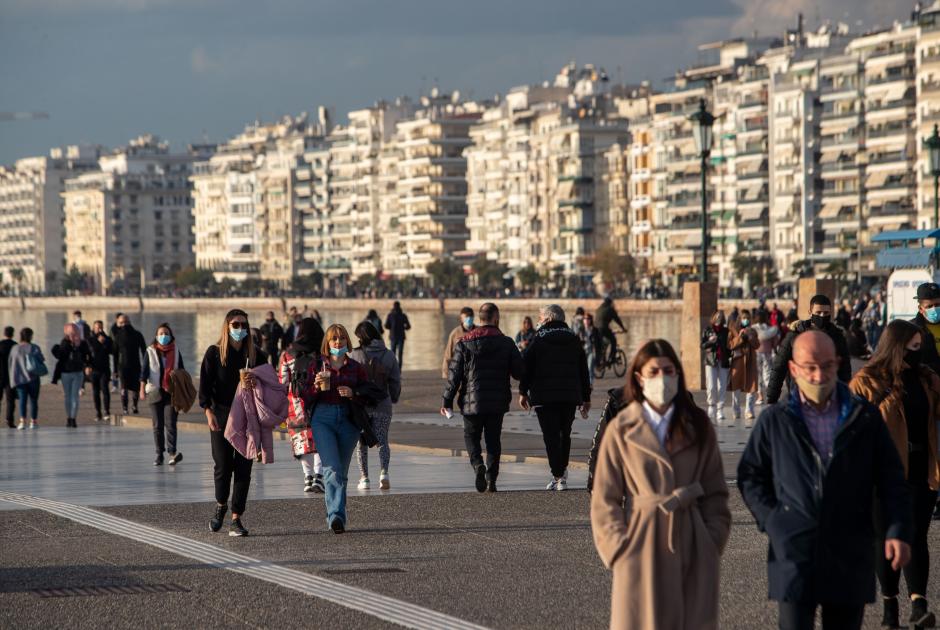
(32, 216)
(129, 223)
(927, 98)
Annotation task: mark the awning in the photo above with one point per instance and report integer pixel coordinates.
(565, 190)
(750, 214)
(876, 179)
(693, 240)
(829, 210)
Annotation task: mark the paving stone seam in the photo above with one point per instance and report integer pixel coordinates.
(380, 606)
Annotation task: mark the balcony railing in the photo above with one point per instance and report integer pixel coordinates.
(882, 132)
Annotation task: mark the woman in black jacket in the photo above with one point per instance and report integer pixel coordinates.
(717, 365)
(615, 402)
(74, 361)
(218, 382)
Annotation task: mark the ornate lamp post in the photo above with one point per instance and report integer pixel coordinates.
(702, 122)
(932, 144)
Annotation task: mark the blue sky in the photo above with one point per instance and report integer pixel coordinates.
(108, 70)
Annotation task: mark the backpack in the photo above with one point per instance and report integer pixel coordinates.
(378, 375)
(35, 366)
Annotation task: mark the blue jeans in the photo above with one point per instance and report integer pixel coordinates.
(71, 385)
(398, 349)
(28, 391)
(336, 439)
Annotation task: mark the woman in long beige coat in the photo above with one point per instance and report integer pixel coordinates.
(659, 511)
(743, 342)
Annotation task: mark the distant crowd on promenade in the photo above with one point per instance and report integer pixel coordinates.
(841, 473)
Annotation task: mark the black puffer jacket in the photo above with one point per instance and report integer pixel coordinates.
(781, 369)
(615, 402)
(478, 374)
(555, 367)
(716, 346)
(70, 358)
(818, 517)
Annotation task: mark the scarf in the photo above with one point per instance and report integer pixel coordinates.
(169, 362)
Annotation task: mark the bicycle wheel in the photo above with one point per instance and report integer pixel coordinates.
(599, 369)
(620, 363)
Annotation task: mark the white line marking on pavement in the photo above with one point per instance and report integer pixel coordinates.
(380, 606)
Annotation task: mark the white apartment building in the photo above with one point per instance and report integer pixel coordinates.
(927, 95)
(251, 201)
(32, 217)
(129, 224)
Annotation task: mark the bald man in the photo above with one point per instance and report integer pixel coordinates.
(809, 475)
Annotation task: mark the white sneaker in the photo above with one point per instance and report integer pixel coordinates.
(308, 483)
(33, 424)
(552, 485)
(107, 418)
(364, 483)
(384, 482)
(561, 484)
(21, 425)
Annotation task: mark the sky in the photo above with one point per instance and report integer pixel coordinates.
(192, 70)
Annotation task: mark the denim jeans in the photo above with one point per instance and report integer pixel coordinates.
(29, 392)
(164, 418)
(71, 385)
(336, 439)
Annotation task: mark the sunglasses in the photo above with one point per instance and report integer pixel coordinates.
(238, 325)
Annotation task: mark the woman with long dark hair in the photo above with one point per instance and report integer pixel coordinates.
(219, 377)
(299, 365)
(163, 357)
(659, 509)
(382, 367)
(907, 393)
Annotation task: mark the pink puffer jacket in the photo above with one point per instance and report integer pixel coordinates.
(255, 413)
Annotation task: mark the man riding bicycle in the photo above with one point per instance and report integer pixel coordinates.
(605, 314)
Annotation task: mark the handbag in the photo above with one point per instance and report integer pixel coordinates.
(35, 366)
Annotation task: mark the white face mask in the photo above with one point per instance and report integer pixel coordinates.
(660, 390)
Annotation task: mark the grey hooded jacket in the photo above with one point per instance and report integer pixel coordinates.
(376, 350)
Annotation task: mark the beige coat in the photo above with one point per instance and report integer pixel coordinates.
(744, 347)
(455, 335)
(660, 521)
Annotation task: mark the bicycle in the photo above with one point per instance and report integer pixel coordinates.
(602, 362)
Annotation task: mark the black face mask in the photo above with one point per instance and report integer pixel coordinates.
(912, 358)
(820, 321)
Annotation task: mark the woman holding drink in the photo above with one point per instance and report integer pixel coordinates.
(224, 365)
(334, 433)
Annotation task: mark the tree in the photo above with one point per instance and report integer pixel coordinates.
(194, 278)
(802, 268)
(615, 268)
(311, 282)
(446, 274)
(74, 280)
(489, 273)
(528, 276)
(366, 281)
(837, 270)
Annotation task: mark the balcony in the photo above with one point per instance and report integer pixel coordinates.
(883, 132)
(880, 107)
(891, 78)
(887, 158)
(840, 140)
(838, 167)
(758, 174)
(835, 115)
(930, 87)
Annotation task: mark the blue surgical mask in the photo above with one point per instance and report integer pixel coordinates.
(237, 334)
(933, 314)
(467, 322)
(745, 322)
(163, 339)
(338, 352)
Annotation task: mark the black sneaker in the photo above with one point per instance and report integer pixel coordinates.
(124, 411)
(216, 523)
(921, 617)
(337, 526)
(318, 487)
(158, 461)
(135, 410)
(308, 483)
(891, 617)
(237, 529)
(175, 459)
(936, 512)
(481, 478)
(491, 486)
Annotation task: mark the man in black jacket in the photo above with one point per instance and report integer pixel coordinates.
(928, 318)
(478, 377)
(7, 392)
(102, 348)
(809, 475)
(271, 334)
(820, 309)
(129, 354)
(555, 381)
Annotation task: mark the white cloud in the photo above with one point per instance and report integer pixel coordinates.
(771, 17)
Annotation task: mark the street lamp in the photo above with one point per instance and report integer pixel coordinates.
(702, 122)
(932, 144)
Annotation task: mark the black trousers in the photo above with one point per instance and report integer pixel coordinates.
(799, 616)
(490, 427)
(164, 418)
(556, 421)
(608, 334)
(918, 569)
(101, 387)
(229, 465)
(10, 394)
